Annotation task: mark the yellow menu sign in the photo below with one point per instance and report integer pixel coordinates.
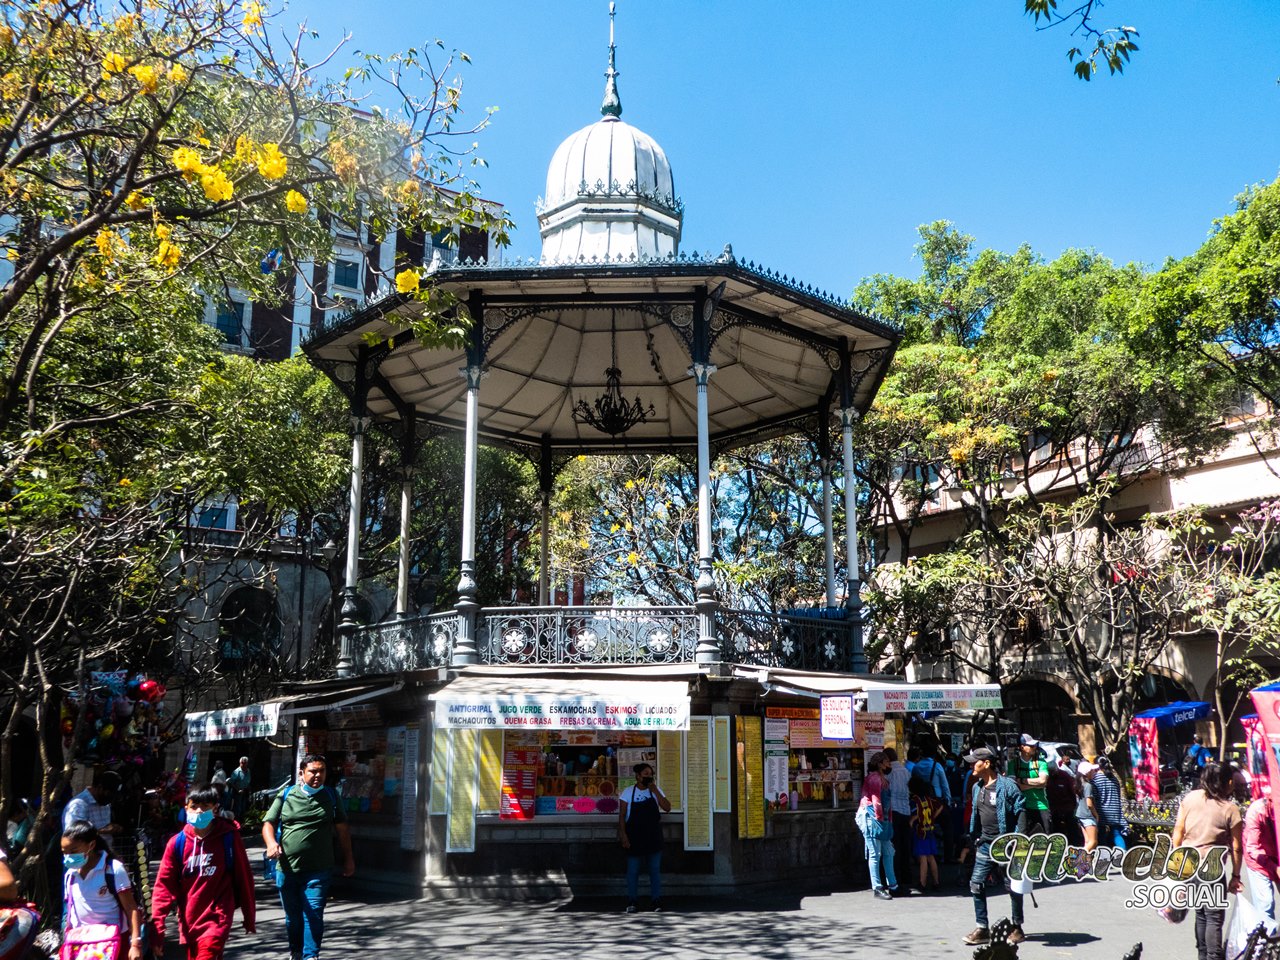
(697, 798)
(461, 833)
(750, 750)
(490, 771)
(671, 766)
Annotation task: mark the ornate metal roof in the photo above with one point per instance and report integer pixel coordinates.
(546, 333)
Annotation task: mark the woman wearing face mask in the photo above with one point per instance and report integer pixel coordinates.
(204, 875)
(640, 809)
(99, 910)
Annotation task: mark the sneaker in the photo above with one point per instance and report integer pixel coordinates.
(979, 935)
(631, 908)
(883, 894)
(1016, 935)
(656, 906)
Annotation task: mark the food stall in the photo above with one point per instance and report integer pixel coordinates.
(1154, 745)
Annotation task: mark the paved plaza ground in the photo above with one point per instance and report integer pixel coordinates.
(1078, 921)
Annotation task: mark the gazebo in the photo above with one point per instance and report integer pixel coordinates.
(613, 341)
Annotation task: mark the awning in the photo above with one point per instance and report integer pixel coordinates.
(548, 703)
(882, 696)
(263, 719)
(1173, 714)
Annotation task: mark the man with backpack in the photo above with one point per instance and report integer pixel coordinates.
(299, 830)
(203, 876)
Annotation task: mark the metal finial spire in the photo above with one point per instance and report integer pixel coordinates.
(612, 106)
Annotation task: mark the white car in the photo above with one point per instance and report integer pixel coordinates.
(1056, 750)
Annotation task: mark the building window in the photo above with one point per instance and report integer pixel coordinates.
(214, 518)
(442, 247)
(230, 323)
(346, 273)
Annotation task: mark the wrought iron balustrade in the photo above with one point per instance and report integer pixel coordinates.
(764, 639)
(410, 644)
(587, 635)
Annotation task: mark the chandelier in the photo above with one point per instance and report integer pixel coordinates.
(611, 413)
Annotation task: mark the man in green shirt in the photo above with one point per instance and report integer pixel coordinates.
(299, 831)
(1031, 773)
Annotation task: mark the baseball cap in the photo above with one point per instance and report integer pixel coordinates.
(1027, 740)
(1085, 768)
(982, 753)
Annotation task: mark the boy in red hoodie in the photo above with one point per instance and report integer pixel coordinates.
(204, 875)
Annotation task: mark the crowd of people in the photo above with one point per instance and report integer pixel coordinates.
(936, 808)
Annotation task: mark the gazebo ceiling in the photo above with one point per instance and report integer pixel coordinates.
(548, 333)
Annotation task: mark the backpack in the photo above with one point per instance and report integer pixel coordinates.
(332, 806)
(1191, 763)
(228, 851)
(932, 779)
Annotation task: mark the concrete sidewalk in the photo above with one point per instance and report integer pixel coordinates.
(1079, 921)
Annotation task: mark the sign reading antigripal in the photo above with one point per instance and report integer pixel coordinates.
(544, 712)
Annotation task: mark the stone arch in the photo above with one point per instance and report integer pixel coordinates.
(249, 628)
(1042, 705)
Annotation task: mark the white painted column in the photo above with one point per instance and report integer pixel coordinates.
(351, 578)
(829, 533)
(406, 518)
(708, 650)
(544, 553)
(848, 417)
(465, 650)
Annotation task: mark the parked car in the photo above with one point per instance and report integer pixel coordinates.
(1056, 750)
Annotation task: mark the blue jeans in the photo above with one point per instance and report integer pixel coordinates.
(303, 896)
(978, 886)
(654, 866)
(878, 835)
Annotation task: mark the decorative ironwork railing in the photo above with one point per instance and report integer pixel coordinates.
(410, 644)
(587, 635)
(780, 640)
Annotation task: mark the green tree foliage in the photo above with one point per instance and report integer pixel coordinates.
(152, 158)
(1112, 46)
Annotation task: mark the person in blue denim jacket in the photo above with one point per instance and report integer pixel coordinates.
(997, 801)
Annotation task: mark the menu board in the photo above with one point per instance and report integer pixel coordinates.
(776, 730)
(808, 734)
(750, 777)
(775, 774)
(461, 833)
(723, 764)
(671, 767)
(868, 729)
(490, 772)
(438, 771)
(698, 799)
(409, 837)
(519, 782)
(393, 769)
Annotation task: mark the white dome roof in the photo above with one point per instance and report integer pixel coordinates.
(609, 156)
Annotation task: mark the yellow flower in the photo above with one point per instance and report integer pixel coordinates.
(105, 241)
(177, 74)
(630, 484)
(216, 185)
(168, 255)
(246, 149)
(344, 164)
(163, 230)
(146, 77)
(270, 163)
(126, 482)
(407, 281)
(136, 201)
(295, 202)
(6, 36)
(633, 558)
(125, 24)
(585, 544)
(188, 161)
(112, 63)
(252, 17)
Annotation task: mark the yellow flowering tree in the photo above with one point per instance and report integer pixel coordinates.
(152, 157)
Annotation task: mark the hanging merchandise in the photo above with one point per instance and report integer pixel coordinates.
(116, 720)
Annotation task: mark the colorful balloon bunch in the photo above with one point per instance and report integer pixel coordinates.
(118, 721)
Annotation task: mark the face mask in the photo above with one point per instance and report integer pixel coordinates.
(202, 819)
(309, 790)
(74, 861)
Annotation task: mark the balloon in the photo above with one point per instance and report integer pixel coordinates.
(132, 687)
(92, 744)
(107, 730)
(67, 711)
(68, 726)
(147, 689)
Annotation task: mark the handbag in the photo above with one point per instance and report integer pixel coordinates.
(92, 941)
(19, 924)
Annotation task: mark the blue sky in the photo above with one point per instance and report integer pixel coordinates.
(816, 136)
